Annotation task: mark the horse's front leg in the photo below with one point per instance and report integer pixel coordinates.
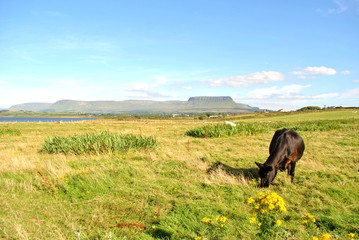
(291, 169)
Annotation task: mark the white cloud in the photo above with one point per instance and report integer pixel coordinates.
(161, 79)
(339, 7)
(146, 90)
(346, 72)
(147, 94)
(352, 93)
(71, 42)
(187, 88)
(290, 92)
(276, 92)
(355, 81)
(315, 71)
(140, 87)
(245, 80)
(54, 14)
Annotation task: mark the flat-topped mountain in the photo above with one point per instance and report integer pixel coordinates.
(214, 102)
(193, 105)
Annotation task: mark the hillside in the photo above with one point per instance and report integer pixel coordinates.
(35, 106)
(194, 104)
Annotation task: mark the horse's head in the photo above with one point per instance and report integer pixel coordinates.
(266, 173)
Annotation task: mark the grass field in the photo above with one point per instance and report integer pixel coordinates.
(165, 192)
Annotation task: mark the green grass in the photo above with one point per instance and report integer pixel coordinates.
(9, 132)
(248, 129)
(223, 130)
(166, 189)
(97, 143)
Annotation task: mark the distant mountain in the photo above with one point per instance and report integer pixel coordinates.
(214, 102)
(35, 106)
(128, 106)
(193, 105)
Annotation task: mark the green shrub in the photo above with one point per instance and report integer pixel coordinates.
(314, 126)
(248, 129)
(96, 143)
(222, 130)
(9, 132)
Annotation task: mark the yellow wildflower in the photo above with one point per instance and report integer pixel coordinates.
(200, 238)
(325, 236)
(314, 238)
(206, 220)
(351, 235)
(278, 222)
(252, 219)
(283, 209)
(261, 195)
(250, 200)
(221, 219)
(308, 218)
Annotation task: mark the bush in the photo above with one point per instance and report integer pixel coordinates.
(222, 130)
(248, 129)
(96, 143)
(310, 108)
(10, 132)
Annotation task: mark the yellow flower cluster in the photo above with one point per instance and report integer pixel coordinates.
(265, 202)
(213, 227)
(308, 218)
(206, 220)
(254, 219)
(220, 219)
(351, 236)
(325, 236)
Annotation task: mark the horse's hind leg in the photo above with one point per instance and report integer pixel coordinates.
(291, 169)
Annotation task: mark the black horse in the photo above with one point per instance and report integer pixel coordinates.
(286, 148)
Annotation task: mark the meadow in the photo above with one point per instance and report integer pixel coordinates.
(158, 185)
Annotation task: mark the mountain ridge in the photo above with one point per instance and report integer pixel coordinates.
(193, 104)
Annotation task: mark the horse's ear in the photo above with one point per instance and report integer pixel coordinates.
(259, 164)
(269, 168)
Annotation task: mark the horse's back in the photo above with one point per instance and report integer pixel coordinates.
(293, 141)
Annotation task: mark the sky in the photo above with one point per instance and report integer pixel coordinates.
(271, 54)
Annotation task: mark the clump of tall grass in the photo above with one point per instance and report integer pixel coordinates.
(222, 130)
(248, 129)
(316, 126)
(97, 143)
(10, 132)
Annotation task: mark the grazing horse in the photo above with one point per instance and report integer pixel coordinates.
(286, 148)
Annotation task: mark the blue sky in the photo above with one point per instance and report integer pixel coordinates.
(274, 54)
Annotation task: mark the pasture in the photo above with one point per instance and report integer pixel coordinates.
(164, 191)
